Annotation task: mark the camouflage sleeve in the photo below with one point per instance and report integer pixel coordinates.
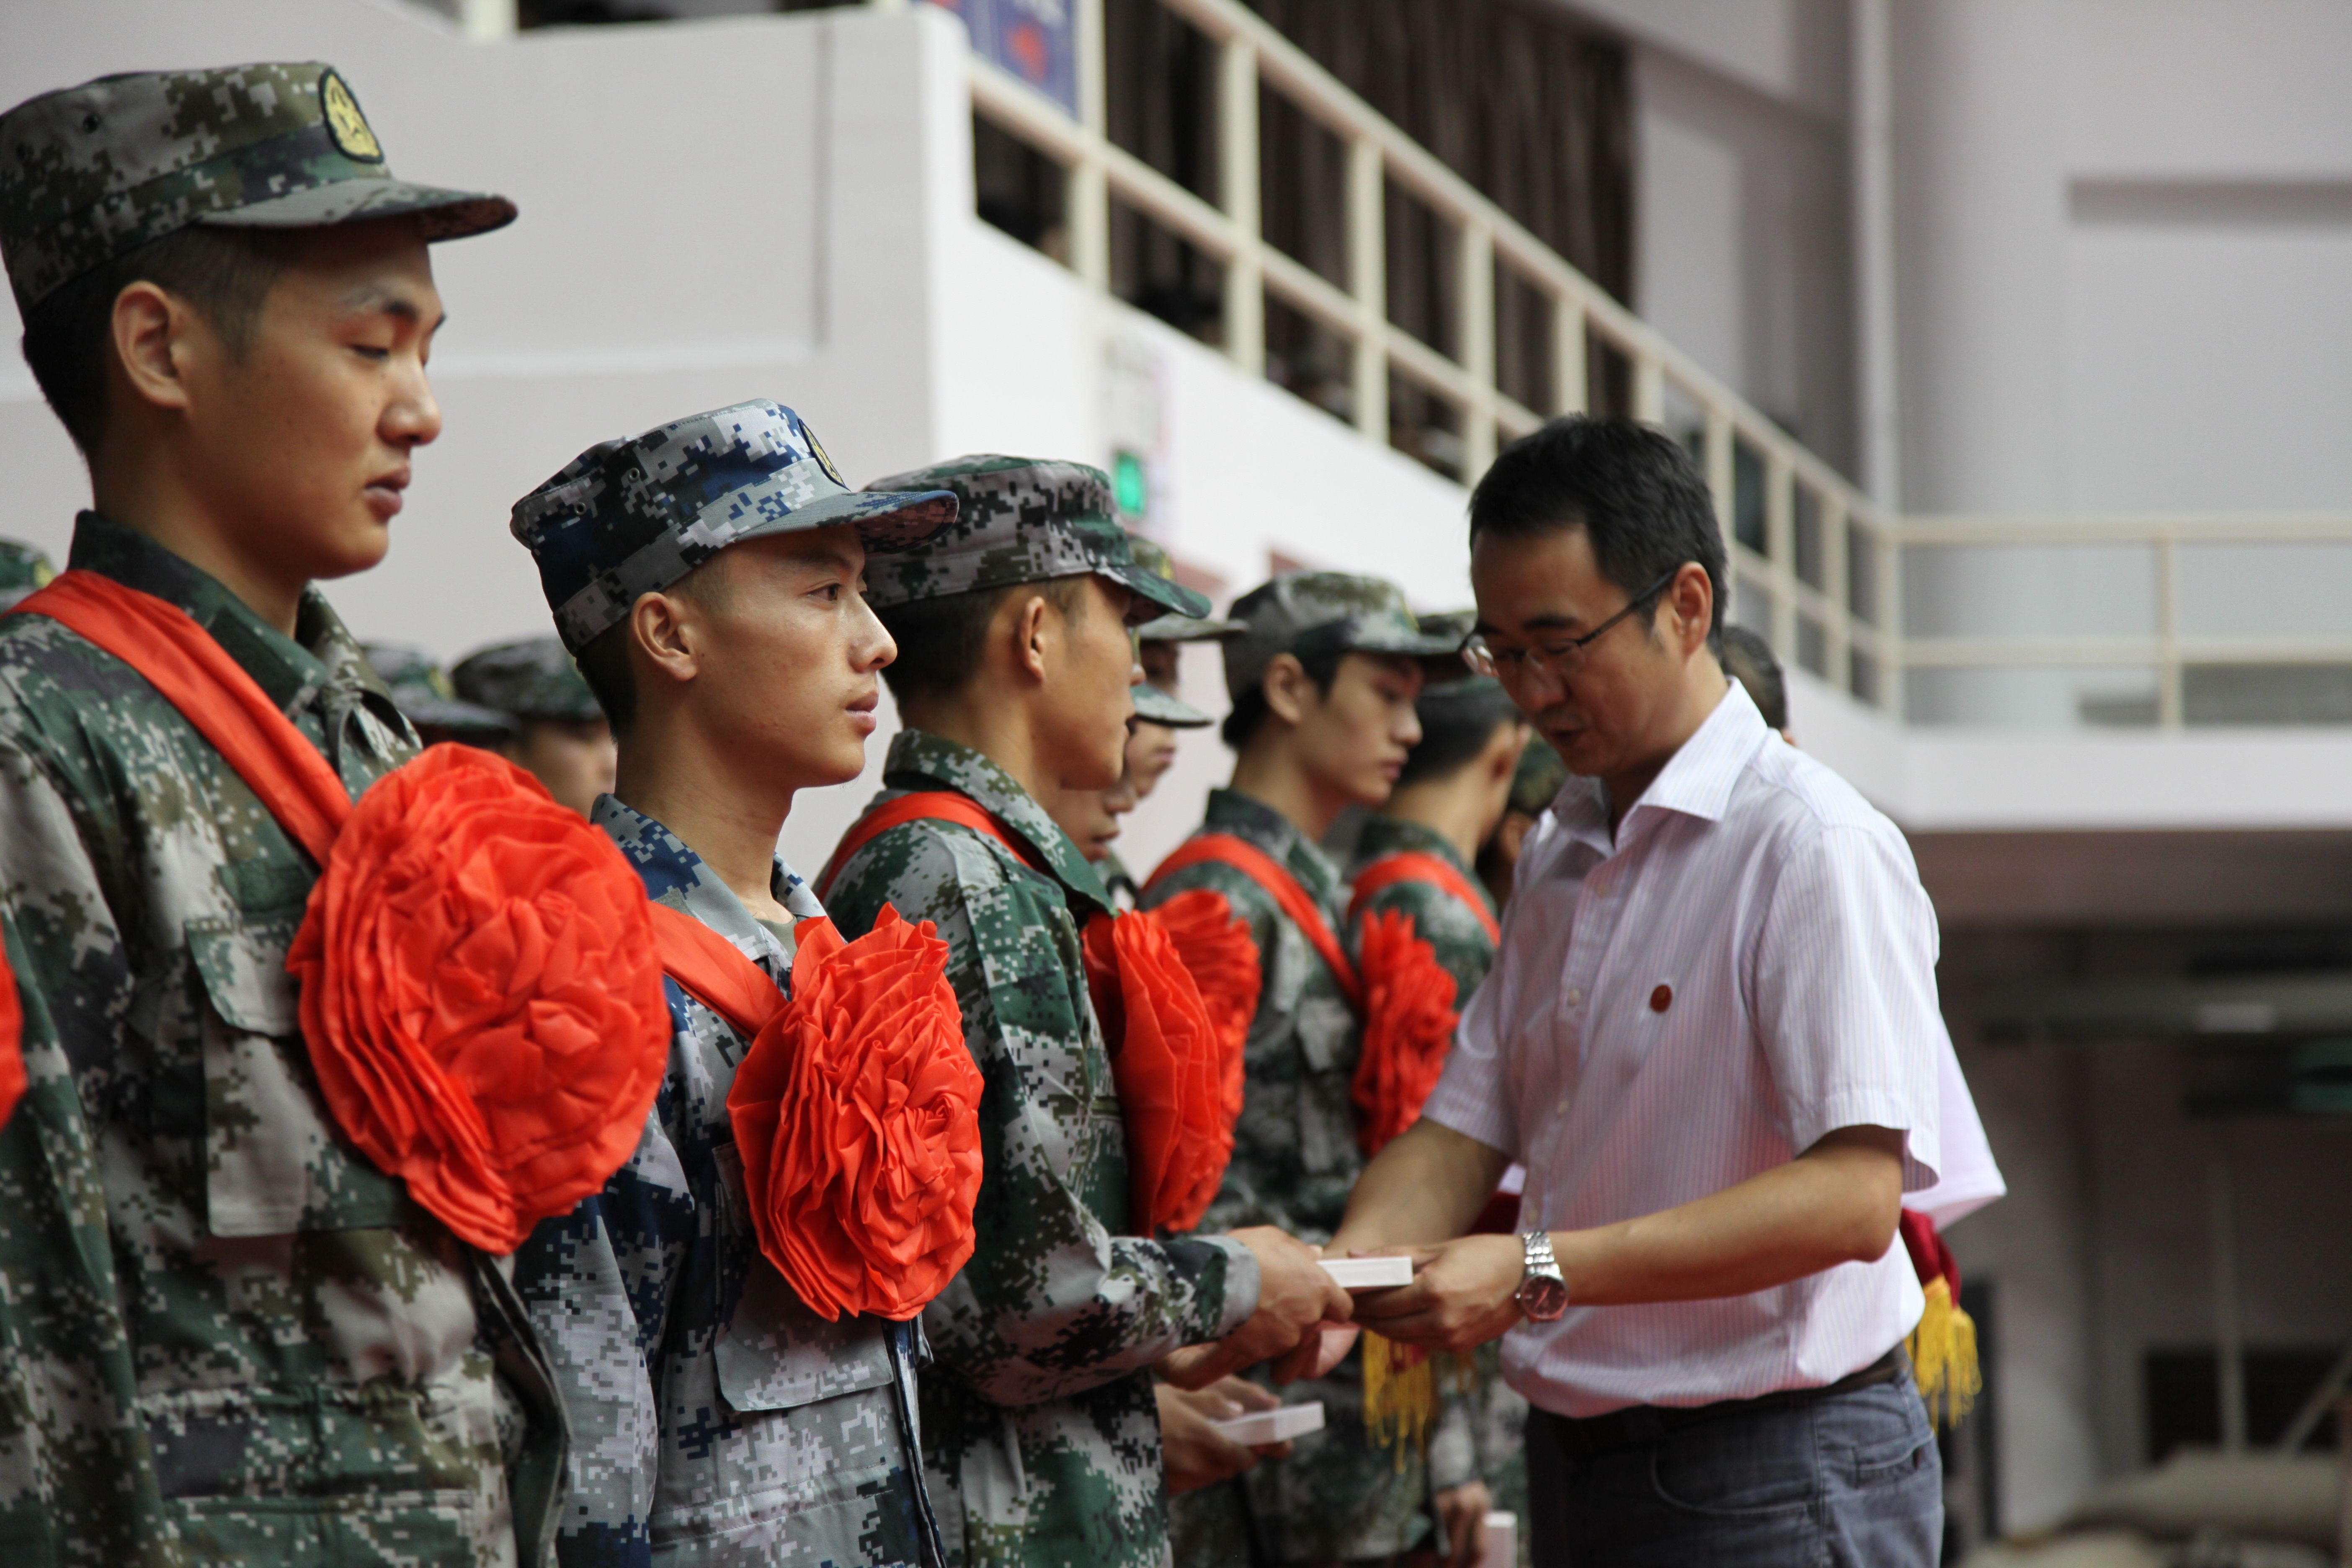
(1051, 1304)
(600, 1283)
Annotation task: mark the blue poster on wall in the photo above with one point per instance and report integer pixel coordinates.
(1036, 40)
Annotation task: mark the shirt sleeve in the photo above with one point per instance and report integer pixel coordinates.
(1843, 990)
(1051, 1304)
(599, 1283)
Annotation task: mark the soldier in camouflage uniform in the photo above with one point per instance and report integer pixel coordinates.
(560, 735)
(1537, 784)
(1039, 1426)
(422, 692)
(1340, 653)
(22, 569)
(717, 1420)
(225, 1336)
(1449, 800)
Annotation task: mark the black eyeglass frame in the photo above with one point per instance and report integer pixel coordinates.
(1571, 649)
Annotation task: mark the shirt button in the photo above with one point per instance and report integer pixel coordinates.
(1575, 998)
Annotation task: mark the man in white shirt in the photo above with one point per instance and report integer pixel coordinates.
(1711, 1036)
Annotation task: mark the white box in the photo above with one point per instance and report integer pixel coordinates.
(1502, 1541)
(1368, 1273)
(1260, 1427)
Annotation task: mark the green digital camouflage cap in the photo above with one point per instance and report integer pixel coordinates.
(424, 698)
(1310, 614)
(90, 174)
(22, 569)
(1020, 520)
(1539, 779)
(532, 678)
(629, 517)
(1174, 628)
(1154, 705)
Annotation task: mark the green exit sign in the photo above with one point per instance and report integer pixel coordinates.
(1130, 485)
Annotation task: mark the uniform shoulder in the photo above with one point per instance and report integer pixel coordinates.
(926, 868)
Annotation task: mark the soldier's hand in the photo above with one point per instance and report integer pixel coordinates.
(1462, 1517)
(1295, 1296)
(1197, 1455)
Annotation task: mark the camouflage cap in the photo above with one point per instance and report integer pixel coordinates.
(532, 678)
(22, 569)
(90, 173)
(1540, 777)
(1024, 520)
(1313, 613)
(423, 695)
(1154, 705)
(1174, 628)
(629, 517)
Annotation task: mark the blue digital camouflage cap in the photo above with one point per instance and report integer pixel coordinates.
(1023, 520)
(1311, 613)
(629, 517)
(90, 173)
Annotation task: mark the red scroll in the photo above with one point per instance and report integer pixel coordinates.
(479, 992)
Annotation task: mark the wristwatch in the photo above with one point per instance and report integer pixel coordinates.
(1543, 1289)
(1543, 1292)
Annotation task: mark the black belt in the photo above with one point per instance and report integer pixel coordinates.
(1642, 1424)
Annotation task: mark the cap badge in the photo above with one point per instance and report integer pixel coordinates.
(345, 123)
(824, 458)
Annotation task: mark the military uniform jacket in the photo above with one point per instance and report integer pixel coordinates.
(1294, 1161)
(224, 1337)
(1040, 1426)
(715, 1419)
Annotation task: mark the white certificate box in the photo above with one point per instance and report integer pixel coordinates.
(1260, 1427)
(1502, 1541)
(1368, 1273)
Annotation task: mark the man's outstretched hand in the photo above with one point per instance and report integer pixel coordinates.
(1294, 1296)
(1462, 1294)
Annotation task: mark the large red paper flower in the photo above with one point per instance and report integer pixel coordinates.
(1216, 948)
(481, 994)
(1409, 1021)
(857, 1115)
(1167, 1065)
(12, 1042)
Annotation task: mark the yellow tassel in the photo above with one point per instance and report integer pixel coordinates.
(1944, 1357)
(1400, 1394)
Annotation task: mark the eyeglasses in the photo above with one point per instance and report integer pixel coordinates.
(1561, 659)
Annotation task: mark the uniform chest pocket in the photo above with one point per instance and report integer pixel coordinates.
(275, 1161)
(774, 1352)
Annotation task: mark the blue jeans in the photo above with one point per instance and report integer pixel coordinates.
(1848, 1480)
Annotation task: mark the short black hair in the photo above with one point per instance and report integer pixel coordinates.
(1250, 709)
(1747, 659)
(1634, 490)
(225, 273)
(604, 666)
(942, 641)
(1456, 724)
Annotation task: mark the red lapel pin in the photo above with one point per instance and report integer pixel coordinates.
(1661, 998)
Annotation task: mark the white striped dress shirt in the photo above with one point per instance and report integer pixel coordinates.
(1749, 966)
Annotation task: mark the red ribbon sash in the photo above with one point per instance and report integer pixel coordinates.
(714, 973)
(1420, 865)
(923, 806)
(1270, 874)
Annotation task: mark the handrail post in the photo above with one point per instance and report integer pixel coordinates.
(1477, 335)
(1837, 586)
(1780, 549)
(2170, 710)
(1088, 186)
(1237, 156)
(1720, 481)
(1568, 356)
(1649, 387)
(1368, 282)
(1888, 558)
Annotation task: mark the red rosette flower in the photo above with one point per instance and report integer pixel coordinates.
(1168, 1065)
(856, 1112)
(482, 995)
(12, 1042)
(1216, 947)
(1409, 1021)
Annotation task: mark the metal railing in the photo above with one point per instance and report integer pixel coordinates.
(1817, 566)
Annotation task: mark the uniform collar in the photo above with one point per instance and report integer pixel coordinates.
(1384, 834)
(1245, 817)
(322, 653)
(1696, 781)
(676, 875)
(920, 760)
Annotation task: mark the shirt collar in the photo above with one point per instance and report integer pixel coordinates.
(918, 760)
(321, 654)
(1245, 817)
(1696, 781)
(676, 875)
(1384, 834)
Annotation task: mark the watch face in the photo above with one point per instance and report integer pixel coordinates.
(1542, 1297)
